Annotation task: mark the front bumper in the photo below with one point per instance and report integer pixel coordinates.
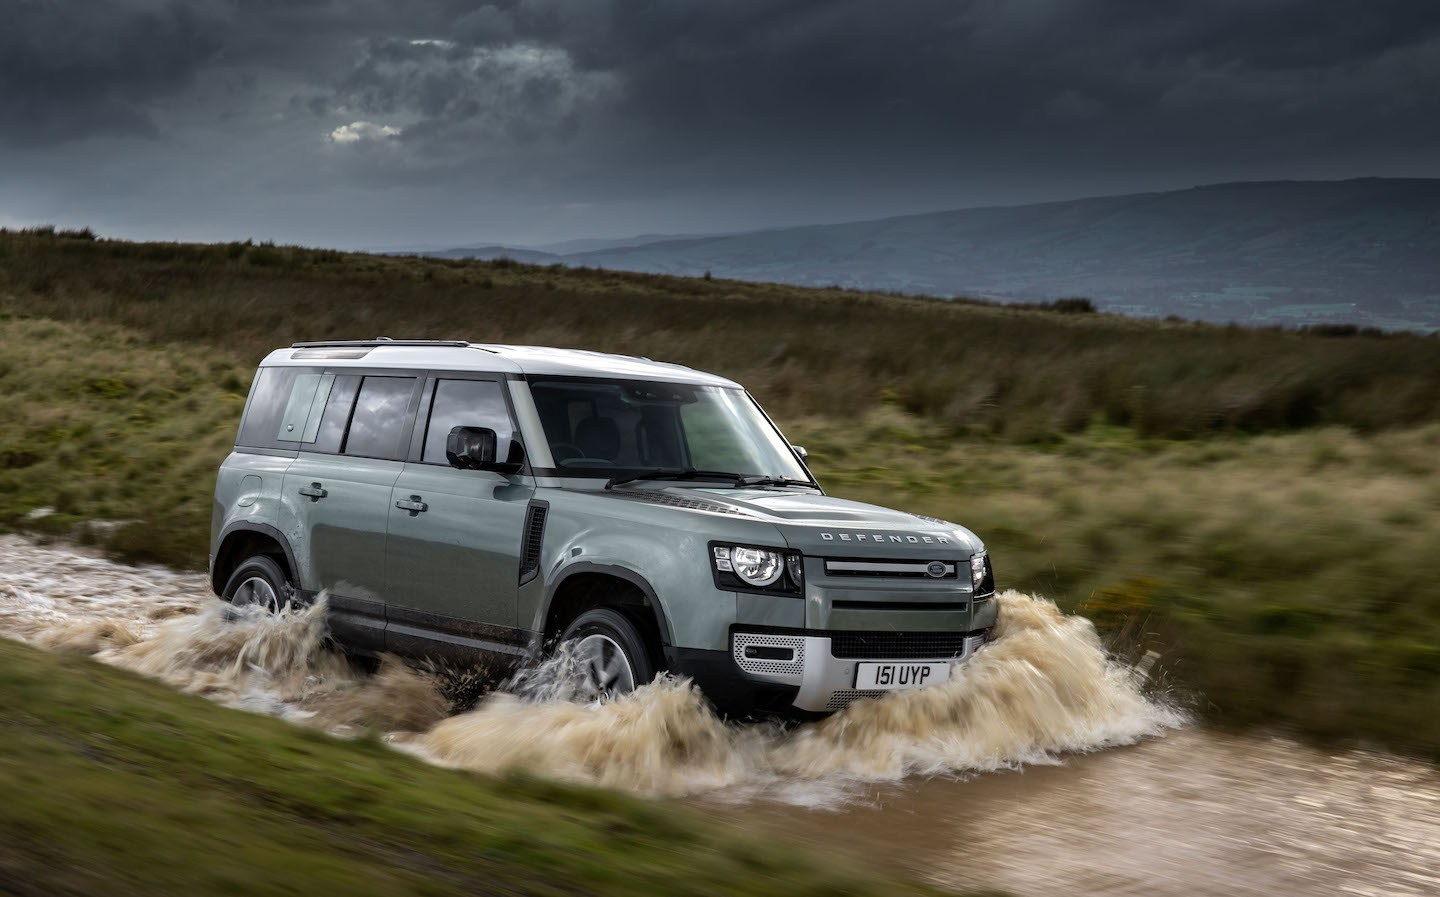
(825, 683)
(807, 676)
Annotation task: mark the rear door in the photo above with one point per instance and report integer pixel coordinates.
(453, 555)
(351, 429)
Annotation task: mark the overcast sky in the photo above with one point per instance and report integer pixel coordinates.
(370, 123)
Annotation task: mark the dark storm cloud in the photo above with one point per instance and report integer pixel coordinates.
(588, 102)
(961, 70)
(89, 67)
(514, 93)
(807, 83)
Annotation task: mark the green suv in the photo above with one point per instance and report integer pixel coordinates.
(480, 504)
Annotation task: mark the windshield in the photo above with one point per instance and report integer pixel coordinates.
(606, 428)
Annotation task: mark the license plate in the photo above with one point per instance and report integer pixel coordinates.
(885, 676)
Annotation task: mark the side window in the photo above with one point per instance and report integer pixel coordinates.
(270, 401)
(308, 396)
(331, 430)
(466, 403)
(379, 420)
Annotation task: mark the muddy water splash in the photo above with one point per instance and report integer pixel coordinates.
(1043, 688)
(168, 626)
(280, 664)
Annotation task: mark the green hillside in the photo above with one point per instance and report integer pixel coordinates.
(975, 370)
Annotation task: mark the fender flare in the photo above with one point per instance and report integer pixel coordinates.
(264, 530)
(667, 637)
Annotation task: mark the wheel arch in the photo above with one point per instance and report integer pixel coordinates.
(244, 539)
(578, 588)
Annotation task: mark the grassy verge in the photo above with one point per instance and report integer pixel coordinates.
(116, 785)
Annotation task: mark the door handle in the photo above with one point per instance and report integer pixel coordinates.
(314, 492)
(414, 505)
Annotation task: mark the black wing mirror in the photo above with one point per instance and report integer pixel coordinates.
(474, 448)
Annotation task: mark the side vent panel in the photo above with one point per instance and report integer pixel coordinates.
(531, 540)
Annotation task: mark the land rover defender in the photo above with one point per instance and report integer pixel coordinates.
(484, 503)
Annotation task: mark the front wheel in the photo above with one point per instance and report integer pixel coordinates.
(260, 581)
(611, 652)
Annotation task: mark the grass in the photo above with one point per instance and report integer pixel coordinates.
(116, 785)
(106, 440)
(1259, 507)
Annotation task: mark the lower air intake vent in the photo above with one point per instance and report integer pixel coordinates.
(779, 658)
(531, 539)
(845, 697)
(899, 645)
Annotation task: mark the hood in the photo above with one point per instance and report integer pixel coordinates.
(823, 525)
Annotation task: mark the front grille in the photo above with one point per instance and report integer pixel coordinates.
(931, 606)
(890, 568)
(843, 698)
(531, 538)
(899, 645)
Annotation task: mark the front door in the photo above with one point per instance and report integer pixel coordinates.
(453, 546)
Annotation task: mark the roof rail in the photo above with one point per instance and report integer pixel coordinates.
(378, 341)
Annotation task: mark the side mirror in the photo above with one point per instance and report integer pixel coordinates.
(800, 450)
(474, 448)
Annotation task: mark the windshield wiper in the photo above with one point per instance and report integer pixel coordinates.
(676, 473)
(772, 481)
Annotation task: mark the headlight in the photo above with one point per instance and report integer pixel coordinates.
(752, 568)
(982, 576)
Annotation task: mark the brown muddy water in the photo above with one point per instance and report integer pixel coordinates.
(1041, 767)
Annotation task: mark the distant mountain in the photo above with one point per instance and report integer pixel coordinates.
(593, 245)
(518, 253)
(1277, 252)
(549, 253)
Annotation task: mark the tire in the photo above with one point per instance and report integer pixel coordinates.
(618, 662)
(260, 580)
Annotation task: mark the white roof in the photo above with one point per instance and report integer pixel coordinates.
(492, 357)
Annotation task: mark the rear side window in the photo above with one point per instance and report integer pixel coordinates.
(271, 401)
(467, 403)
(379, 419)
(308, 395)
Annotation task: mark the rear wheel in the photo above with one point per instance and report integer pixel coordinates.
(260, 581)
(611, 651)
